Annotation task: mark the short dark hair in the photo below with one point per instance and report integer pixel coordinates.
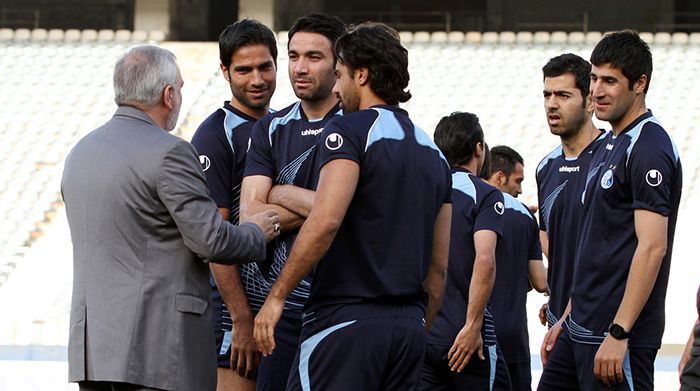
(626, 51)
(457, 136)
(245, 32)
(377, 47)
(504, 159)
(571, 63)
(329, 26)
(486, 167)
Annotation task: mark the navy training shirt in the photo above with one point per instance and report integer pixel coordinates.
(222, 142)
(638, 169)
(283, 148)
(476, 206)
(519, 245)
(383, 247)
(560, 183)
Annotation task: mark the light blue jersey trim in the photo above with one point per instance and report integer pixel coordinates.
(308, 346)
(294, 114)
(637, 131)
(461, 182)
(548, 203)
(493, 359)
(226, 343)
(512, 203)
(385, 126)
(231, 121)
(627, 370)
(423, 139)
(551, 156)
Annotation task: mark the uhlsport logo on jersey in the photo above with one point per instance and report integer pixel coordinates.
(606, 181)
(334, 141)
(499, 207)
(205, 162)
(654, 177)
(311, 132)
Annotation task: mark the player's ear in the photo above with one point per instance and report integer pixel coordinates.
(588, 103)
(641, 84)
(362, 76)
(224, 70)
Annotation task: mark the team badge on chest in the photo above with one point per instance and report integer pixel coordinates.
(606, 181)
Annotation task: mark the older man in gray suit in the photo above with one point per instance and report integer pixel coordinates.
(143, 227)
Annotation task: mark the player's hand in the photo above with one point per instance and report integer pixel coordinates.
(244, 354)
(532, 208)
(607, 365)
(543, 314)
(265, 322)
(467, 342)
(268, 221)
(550, 338)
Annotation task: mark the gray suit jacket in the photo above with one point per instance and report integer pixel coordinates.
(142, 223)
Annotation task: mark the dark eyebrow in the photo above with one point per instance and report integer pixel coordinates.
(241, 68)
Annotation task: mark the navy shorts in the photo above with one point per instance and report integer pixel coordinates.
(361, 347)
(570, 367)
(274, 369)
(520, 375)
(488, 374)
(690, 379)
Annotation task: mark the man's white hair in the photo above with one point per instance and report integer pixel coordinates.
(142, 73)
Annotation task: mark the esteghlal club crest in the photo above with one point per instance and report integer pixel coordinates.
(606, 181)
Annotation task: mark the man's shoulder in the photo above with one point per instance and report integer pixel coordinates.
(213, 124)
(290, 112)
(548, 161)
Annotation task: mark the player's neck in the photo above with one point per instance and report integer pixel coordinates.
(470, 166)
(638, 108)
(575, 145)
(317, 109)
(254, 112)
(368, 98)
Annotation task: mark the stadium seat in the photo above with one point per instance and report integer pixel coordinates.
(406, 37)
(541, 37)
(6, 34)
(506, 37)
(421, 37)
(88, 35)
(679, 38)
(72, 35)
(473, 37)
(592, 37)
(55, 35)
(105, 35)
(22, 35)
(282, 37)
(139, 36)
(647, 37)
(438, 37)
(490, 37)
(559, 37)
(662, 38)
(122, 35)
(694, 39)
(39, 35)
(577, 37)
(159, 36)
(523, 37)
(455, 37)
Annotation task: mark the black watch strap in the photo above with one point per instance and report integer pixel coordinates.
(618, 332)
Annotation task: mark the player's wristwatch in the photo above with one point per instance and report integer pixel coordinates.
(618, 332)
